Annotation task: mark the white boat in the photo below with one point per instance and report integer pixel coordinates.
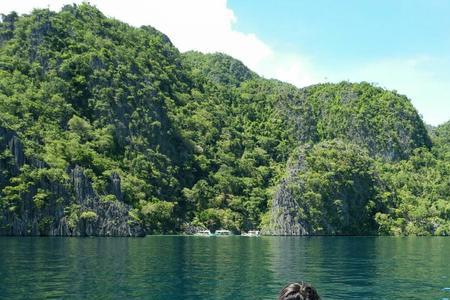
(204, 233)
(252, 233)
(222, 232)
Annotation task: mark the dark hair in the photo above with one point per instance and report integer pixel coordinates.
(298, 291)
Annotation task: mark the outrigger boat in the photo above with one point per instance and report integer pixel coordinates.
(223, 232)
(204, 233)
(252, 233)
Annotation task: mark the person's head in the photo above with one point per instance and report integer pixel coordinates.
(299, 291)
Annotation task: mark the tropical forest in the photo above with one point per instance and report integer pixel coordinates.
(109, 130)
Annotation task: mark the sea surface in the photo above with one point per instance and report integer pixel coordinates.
(179, 267)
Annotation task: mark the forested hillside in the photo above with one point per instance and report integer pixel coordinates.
(107, 129)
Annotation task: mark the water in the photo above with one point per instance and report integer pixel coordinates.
(175, 267)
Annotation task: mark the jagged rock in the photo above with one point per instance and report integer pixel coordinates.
(16, 148)
(105, 218)
(284, 219)
(10, 141)
(114, 186)
(191, 229)
(81, 185)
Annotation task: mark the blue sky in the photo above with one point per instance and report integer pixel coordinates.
(349, 29)
(402, 45)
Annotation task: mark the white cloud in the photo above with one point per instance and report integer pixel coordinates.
(289, 67)
(203, 25)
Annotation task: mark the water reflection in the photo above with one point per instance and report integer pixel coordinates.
(225, 268)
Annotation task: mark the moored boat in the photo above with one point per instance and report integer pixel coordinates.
(223, 232)
(204, 233)
(252, 233)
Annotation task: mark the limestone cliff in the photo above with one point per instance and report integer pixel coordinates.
(284, 212)
(330, 189)
(71, 207)
(284, 217)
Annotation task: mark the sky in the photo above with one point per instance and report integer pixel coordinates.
(402, 45)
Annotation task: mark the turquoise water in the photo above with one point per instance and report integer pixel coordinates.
(176, 267)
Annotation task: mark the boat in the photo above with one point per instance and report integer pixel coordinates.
(252, 233)
(204, 233)
(222, 232)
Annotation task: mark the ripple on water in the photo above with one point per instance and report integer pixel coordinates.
(232, 268)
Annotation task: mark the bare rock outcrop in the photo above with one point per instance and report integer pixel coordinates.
(71, 208)
(284, 217)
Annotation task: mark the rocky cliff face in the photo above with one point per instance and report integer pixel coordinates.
(284, 219)
(71, 208)
(284, 216)
(330, 189)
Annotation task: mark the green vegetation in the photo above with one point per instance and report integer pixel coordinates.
(383, 122)
(201, 139)
(418, 199)
(88, 215)
(336, 189)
